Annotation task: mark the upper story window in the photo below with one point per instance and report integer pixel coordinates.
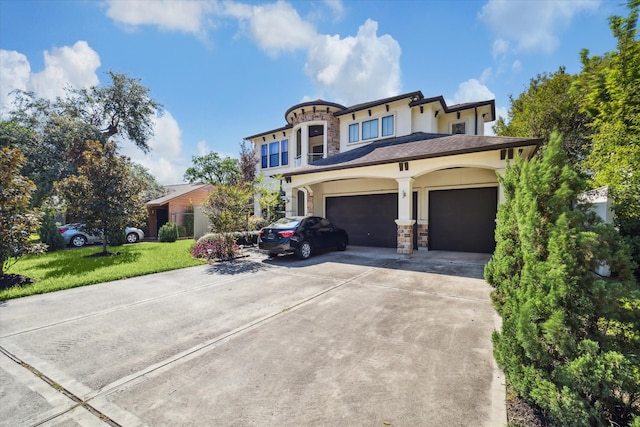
(354, 132)
(370, 129)
(458, 128)
(274, 154)
(265, 157)
(285, 152)
(387, 126)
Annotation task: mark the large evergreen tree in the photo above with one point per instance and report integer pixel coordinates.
(570, 339)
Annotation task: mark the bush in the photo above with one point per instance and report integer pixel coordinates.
(221, 246)
(255, 223)
(182, 231)
(49, 232)
(569, 340)
(244, 238)
(116, 238)
(168, 232)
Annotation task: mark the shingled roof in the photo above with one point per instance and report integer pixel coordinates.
(416, 146)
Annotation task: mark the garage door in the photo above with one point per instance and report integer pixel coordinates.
(369, 220)
(463, 220)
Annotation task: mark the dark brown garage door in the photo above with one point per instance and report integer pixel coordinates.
(463, 220)
(369, 220)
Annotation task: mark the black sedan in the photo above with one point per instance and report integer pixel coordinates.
(301, 235)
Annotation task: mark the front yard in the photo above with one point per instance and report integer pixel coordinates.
(66, 269)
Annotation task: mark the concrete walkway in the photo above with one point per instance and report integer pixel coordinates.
(362, 337)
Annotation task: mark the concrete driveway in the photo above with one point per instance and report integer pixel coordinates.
(345, 338)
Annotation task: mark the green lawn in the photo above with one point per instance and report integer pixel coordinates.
(70, 268)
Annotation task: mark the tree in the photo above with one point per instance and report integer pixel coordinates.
(151, 189)
(213, 169)
(53, 133)
(610, 86)
(549, 104)
(248, 162)
(17, 220)
(103, 195)
(228, 207)
(570, 339)
(270, 196)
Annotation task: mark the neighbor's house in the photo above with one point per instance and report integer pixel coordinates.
(407, 171)
(178, 206)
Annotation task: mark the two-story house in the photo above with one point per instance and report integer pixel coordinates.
(407, 171)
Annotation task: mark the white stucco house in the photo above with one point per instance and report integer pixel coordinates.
(407, 171)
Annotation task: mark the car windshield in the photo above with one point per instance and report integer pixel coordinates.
(285, 223)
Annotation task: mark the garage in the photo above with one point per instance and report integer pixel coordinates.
(463, 220)
(368, 219)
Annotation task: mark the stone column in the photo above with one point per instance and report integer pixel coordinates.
(309, 201)
(423, 234)
(405, 236)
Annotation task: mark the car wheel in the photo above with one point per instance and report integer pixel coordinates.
(132, 238)
(342, 245)
(78, 240)
(304, 250)
(272, 254)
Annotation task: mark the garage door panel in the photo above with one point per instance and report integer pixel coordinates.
(368, 219)
(463, 220)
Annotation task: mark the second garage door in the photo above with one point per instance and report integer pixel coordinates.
(463, 220)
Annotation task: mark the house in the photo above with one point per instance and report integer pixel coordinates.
(407, 172)
(178, 206)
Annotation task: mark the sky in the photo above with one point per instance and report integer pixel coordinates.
(224, 70)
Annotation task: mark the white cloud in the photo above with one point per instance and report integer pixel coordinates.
(275, 27)
(532, 25)
(68, 66)
(471, 91)
(202, 148)
(14, 71)
(165, 160)
(499, 47)
(185, 16)
(486, 75)
(355, 69)
(516, 67)
(336, 7)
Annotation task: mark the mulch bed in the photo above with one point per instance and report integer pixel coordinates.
(523, 414)
(8, 281)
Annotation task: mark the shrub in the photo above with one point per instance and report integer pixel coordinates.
(255, 223)
(116, 238)
(182, 231)
(569, 339)
(221, 246)
(168, 232)
(49, 232)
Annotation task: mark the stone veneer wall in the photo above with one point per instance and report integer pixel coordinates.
(333, 128)
(405, 239)
(423, 235)
(309, 204)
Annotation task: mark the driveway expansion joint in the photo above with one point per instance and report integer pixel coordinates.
(59, 388)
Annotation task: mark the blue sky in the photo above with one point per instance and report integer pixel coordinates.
(224, 70)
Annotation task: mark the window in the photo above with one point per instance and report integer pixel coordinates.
(370, 129)
(285, 152)
(354, 131)
(265, 163)
(387, 126)
(458, 128)
(274, 154)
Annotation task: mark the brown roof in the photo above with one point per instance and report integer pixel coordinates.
(174, 191)
(416, 146)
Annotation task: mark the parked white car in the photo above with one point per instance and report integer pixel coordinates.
(75, 237)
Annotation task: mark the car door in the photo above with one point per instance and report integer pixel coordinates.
(312, 232)
(327, 232)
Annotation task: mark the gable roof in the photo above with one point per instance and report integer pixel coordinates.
(176, 190)
(419, 145)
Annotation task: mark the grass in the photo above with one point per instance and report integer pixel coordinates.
(55, 271)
